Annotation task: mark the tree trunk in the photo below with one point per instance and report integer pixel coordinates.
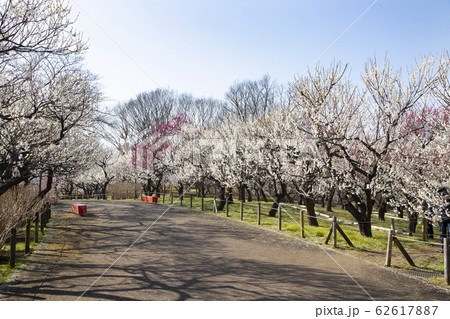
(70, 190)
(365, 228)
(104, 191)
(229, 194)
(148, 186)
(400, 212)
(249, 194)
(362, 212)
(48, 185)
(412, 223)
(341, 200)
(181, 191)
(242, 192)
(330, 200)
(274, 209)
(278, 198)
(40, 181)
(158, 190)
(382, 210)
(263, 195)
(312, 218)
(222, 198)
(289, 198)
(275, 190)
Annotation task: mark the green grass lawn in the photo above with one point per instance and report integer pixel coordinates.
(5, 270)
(426, 256)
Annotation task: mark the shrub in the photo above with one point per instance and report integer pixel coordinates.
(16, 205)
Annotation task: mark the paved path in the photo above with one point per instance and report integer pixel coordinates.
(189, 255)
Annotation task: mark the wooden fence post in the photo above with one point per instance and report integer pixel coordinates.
(171, 198)
(181, 200)
(203, 202)
(446, 261)
(393, 224)
(42, 224)
(279, 217)
(242, 210)
(27, 236)
(258, 218)
(302, 222)
(344, 235)
(389, 248)
(330, 232)
(227, 207)
(12, 258)
(334, 232)
(403, 251)
(191, 199)
(36, 228)
(43, 218)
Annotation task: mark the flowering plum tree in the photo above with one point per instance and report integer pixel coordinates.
(38, 26)
(153, 155)
(360, 130)
(105, 166)
(59, 96)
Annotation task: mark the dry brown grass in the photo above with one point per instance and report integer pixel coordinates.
(123, 190)
(16, 205)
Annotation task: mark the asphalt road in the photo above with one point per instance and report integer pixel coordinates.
(125, 250)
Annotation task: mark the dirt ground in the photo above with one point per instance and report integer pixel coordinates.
(125, 250)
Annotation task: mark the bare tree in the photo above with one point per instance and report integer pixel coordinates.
(201, 112)
(132, 121)
(250, 99)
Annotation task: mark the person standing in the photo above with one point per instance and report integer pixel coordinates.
(444, 215)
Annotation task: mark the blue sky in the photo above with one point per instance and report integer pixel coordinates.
(203, 46)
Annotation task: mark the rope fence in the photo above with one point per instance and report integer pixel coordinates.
(286, 208)
(292, 218)
(285, 212)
